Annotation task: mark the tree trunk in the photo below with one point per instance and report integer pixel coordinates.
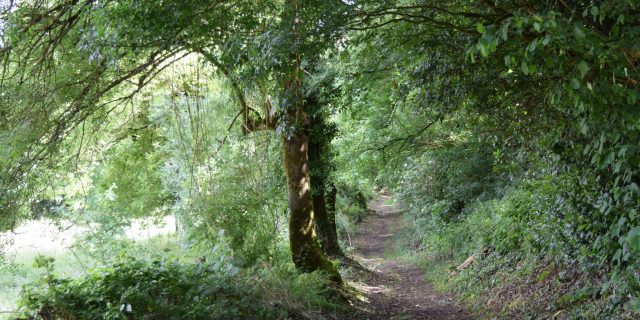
(305, 250)
(326, 226)
(324, 209)
(320, 159)
(333, 247)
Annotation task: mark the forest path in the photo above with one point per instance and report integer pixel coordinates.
(394, 289)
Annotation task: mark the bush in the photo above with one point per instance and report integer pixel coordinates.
(528, 245)
(443, 183)
(139, 289)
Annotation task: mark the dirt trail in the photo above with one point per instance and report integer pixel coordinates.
(395, 289)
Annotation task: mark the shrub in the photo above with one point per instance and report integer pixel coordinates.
(141, 289)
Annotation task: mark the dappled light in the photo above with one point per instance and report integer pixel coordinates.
(319, 159)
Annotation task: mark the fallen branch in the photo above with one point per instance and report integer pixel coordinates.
(467, 262)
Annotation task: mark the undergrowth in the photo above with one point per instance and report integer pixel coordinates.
(168, 288)
(518, 259)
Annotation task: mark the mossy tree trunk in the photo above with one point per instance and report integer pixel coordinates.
(305, 250)
(326, 223)
(322, 220)
(321, 155)
(332, 247)
(323, 200)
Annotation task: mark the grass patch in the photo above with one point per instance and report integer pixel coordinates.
(390, 201)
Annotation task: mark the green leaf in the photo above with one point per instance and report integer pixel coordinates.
(633, 238)
(480, 27)
(584, 128)
(525, 67)
(617, 256)
(505, 31)
(634, 187)
(533, 45)
(578, 33)
(575, 83)
(493, 45)
(609, 159)
(584, 68)
(632, 98)
(536, 26)
(546, 40)
(483, 50)
(507, 60)
(594, 11)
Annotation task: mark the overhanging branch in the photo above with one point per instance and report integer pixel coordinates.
(251, 118)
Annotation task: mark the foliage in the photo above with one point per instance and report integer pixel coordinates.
(439, 184)
(131, 288)
(506, 128)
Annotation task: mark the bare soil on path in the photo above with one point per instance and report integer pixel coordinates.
(394, 289)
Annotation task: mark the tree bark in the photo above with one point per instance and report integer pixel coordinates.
(305, 250)
(320, 159)
(333, 247)
(326, 226)
(324, 209)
